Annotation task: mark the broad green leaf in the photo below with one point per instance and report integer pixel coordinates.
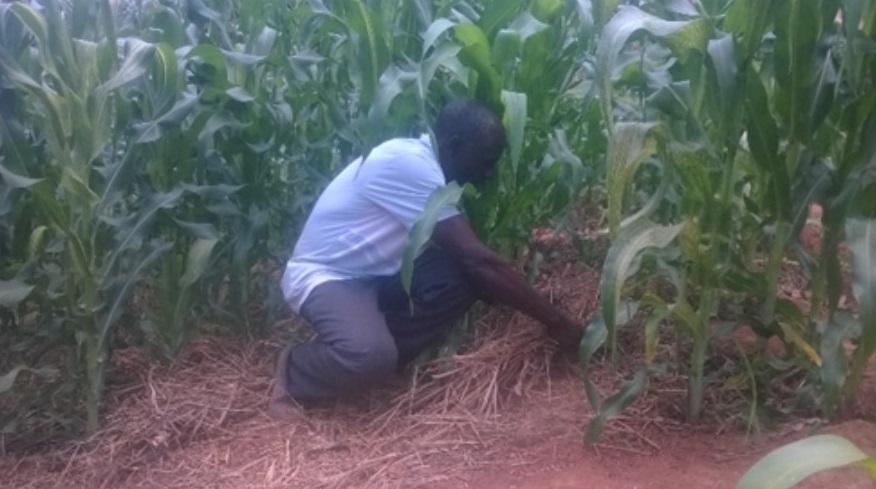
(724, 72)
(17, 181)
(199, 230)
(137, 62)
(585, 13)
(861, 234)
(748, 20)
(245, 60)
(629, 244)
(497, 15)
(36, 241)
(125, 284)
(785, 466)
(392, 84)
(421, 231)
(76, 186)
(218, 121)
(594, 337)
(798, 28)
(372, 51)
(614, 405)
(682, 36)
(13, 292)
(150, 131)
(134, 232)
(37, 25)
(763, 139)
(630, 145)
(198, 261)
(240, 94)
(603, 10)
(443, 56)
(526, 25)
(440, 26)
(515, 122)
(265, 41)
(546, 10)
(794, 325)
(506, 48)
(823, 93)
(475, 54)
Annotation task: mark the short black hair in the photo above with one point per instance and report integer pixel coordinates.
(470, 120)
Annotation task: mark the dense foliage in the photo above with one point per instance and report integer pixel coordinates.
(154, 163)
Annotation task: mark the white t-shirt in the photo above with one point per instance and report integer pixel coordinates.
(360, 224)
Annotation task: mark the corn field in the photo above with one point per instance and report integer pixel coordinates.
(156, 156)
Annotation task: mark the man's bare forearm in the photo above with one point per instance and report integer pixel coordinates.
(497, 281)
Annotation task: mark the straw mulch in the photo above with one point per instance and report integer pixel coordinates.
(202, 422)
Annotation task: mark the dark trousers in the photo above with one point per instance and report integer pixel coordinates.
(367, 331)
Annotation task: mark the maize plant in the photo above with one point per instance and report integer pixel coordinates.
(750, 112)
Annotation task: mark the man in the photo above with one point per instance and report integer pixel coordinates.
(343, 277)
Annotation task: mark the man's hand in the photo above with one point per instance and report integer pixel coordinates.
(567, 335)
(497, 281)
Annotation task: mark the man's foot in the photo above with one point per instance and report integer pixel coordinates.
(282, 407)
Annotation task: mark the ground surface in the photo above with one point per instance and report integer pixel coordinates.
(504, 415)
(530, 443)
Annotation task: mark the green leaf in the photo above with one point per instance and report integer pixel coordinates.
(440, 26)
(681, 36)
(798, 28)
(475, 54)
(515, 122)
(506, 48)
(631, 144)
(240, 94)
(123, 288)
(392, 84)
(785, 466)
(372, 51)
(748, 20)
(134, 230)
(585, 13)
(861, 235)
(421, 231)
(497, 15)
(614, 405)
(13, 292)
(724, 72)
(632, 241)
(763, 139)
(198, 261)
(136, 64)
(17, 181)
(546, 10)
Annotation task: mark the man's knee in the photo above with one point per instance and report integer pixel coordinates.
(371, 359)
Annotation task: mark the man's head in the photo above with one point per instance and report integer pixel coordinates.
(471, 139)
